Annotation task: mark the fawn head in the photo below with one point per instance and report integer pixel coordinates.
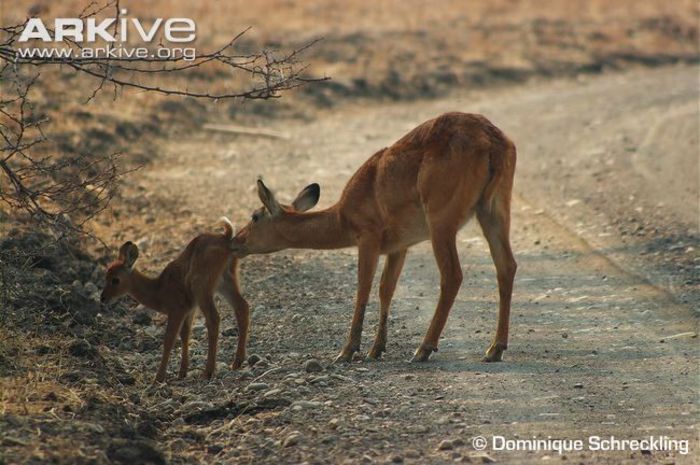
(270, 224)
(118, 277)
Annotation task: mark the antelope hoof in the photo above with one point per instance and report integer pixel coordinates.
(207, 374)
(423, 353)
(237, 363)
(182, 374)
(160, 378)
(345, 355)
(494, 353)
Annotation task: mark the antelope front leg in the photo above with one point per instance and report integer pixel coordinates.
(171, 330)
(387, 286)
(366, 266)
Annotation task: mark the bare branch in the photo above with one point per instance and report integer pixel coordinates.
(64, 191)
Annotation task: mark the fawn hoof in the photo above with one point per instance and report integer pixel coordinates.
(207, 374)
(423, 353)
(375, 353)
(495, 352)
(237, 363)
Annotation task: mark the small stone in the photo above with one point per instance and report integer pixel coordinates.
(253, 359)
(90, 288)
(230, 332)
(333, 423)
(445, 444)
(257, 387)
(195, 405)
(485, 458)
(142, 318)
(214, 449)
(578, 386)
(134, 451)
(82, 348)
(396, 459)
(262, 365)
(292, 440)
(272, 392)
(366, 459)
(312, 366)
(305, 405)
(93, 428)
(143, 243)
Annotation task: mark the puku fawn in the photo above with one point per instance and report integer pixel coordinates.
(425, 186)
(205, 267)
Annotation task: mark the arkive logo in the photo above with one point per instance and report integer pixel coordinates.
(178, 30)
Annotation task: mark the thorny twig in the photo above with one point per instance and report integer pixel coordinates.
(65, 191)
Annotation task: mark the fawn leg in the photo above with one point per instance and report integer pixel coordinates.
(171, 330)
(185, 332)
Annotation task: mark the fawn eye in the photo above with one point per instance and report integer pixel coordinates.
(255, 217)
(115, 281)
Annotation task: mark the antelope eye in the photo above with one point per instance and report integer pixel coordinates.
(255, 217)
(115, 281)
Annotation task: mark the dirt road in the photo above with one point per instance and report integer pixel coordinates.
(604, 335)
(604, 324)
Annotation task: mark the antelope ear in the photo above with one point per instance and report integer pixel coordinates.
(307, 198)
(128, 253)
(268, 198)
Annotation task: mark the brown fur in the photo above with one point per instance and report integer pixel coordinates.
(190, 281)
(425, 186)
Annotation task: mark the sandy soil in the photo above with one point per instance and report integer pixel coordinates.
(604, 324)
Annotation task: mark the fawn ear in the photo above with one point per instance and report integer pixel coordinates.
(268, 198)
(128, 253)
(307, 198)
